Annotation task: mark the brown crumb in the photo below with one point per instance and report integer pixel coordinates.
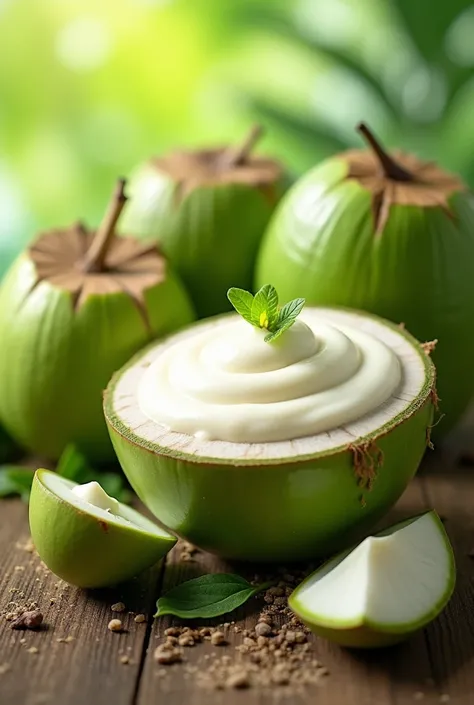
(65, 639)
(28, 620)
(118, 607)
(263, 629)
(125, 660)
(4, 667)
(187, 551)
(167, 656)
(239, 679)
(33, 650)
(186, 640)
(218, 639)
(115, 625)
(140, 618)
(172, 631)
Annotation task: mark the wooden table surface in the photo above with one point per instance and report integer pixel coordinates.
(75, 660)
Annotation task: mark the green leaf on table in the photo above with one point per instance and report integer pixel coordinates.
(15, 481)
(208, 596)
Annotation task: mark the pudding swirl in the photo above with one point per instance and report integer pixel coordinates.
(225, 383)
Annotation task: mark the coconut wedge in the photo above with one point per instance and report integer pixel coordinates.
(383, 590)
(287, 500)
(87, 538)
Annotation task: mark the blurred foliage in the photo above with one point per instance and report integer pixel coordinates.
(88, 89)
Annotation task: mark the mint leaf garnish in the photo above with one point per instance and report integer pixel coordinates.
(208, 596)
(262, 310)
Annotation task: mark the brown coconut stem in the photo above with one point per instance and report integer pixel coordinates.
(391, 169)
(237, 156)
(95, 256)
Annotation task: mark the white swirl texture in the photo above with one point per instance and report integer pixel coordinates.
(225, 383)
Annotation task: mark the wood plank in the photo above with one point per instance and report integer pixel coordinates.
(88, 669)
(449, 488)
(398, 675)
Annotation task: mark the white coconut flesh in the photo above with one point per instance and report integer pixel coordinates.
(415, 382)
(92, 500)
(393, 581)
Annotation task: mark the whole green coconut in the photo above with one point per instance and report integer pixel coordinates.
(207, 210)
(390, 235)
(73, 308)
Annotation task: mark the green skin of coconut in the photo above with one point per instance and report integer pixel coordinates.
(85, 550)
(365, 634)
(211, 236)
(321, 245)
(283, 510)
(56, 361)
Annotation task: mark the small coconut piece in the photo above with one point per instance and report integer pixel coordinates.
(400, 579)
(89, 545)
(73, 308)
(207, 209)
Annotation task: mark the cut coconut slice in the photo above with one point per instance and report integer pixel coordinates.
(285, 499)
(383, 590)
(88, 538)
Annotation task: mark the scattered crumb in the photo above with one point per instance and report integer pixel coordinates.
(115, 625)
(239, 679)
(118, 607)
(22, 641)
(186, 640)
(140, 618)
(125, 660)
(167, 654)
(33, 650)
(218, 639)
(263, 629)
(28, 620)
(4, 667)
(19, 568)
(28, 546)
(65, 639)
(187, 551)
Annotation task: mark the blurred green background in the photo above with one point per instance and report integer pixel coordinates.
(88, 89)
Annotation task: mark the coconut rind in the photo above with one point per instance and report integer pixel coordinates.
(85, 550)
(369, 635)
(287, 509)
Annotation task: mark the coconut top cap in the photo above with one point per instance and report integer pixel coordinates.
(86, 262)
(399, 179)
(222, 165)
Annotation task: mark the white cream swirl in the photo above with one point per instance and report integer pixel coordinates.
(225, 383)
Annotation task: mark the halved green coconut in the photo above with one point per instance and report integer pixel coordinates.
(88, 538)
(281, 500)
(384, 589)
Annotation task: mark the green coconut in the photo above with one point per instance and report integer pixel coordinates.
(284, 500)
(383, 590)
(73, 309)
(389, 235)
(208, 210)
(88, 538)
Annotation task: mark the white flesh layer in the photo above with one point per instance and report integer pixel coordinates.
(390, 580)
(125, 403)
(126, 517)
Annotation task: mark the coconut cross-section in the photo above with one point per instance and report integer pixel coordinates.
(73, 309)
(88, 538)
(384, 589)
(288, 492)
(207, 209)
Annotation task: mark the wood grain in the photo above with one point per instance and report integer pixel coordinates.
(88, 668)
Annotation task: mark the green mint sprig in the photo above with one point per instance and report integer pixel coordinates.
(208, 596)
(262, 310)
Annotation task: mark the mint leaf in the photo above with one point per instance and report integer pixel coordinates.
(286, 317)
(15, 481)
(242, 301)
(207, 596)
